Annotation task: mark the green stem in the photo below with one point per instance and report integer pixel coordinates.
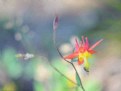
(62, 74)
(54, 37)
(78, 76)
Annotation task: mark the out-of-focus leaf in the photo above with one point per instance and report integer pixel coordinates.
(38, 87)
(93, 85)
(13, 66)
(30, 68)
(14, 70)
(9, 87)
(9, 56)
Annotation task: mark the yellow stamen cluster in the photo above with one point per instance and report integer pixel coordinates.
(83, 57)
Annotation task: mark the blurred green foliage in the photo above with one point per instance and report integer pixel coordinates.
(14, 70)
(11, 63)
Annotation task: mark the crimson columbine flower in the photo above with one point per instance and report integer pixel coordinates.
(83, 51)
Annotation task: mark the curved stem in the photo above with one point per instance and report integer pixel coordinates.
(62, 74)
(74, 69)
(54, 37)
(78, 76)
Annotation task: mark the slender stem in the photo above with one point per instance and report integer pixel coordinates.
(54, 37)
(62, 74)
(74, 69)
(78, 76)
(61, 57)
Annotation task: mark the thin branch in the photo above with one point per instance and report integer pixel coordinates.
(55, 25)
(54, 37)
(62, 74)
(74, 69)
(78, 76)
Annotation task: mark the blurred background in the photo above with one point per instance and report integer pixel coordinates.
(26, 28)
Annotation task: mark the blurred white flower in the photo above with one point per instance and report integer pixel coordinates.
(66, 48)
(25, 56)
(28, 56)
(42, 73)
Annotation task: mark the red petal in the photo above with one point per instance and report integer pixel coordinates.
(87, 43)
(82, 49)
(97, 43)
(80, 43)
(83, 42)
(76, 45)
(91, 51)
(71, 56)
